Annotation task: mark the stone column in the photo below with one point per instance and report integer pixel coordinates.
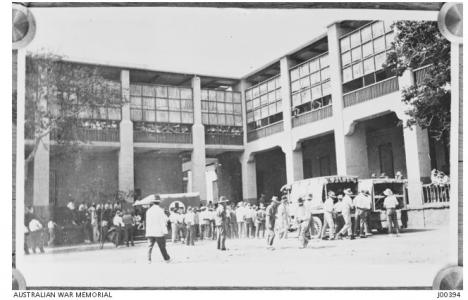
(198, 169)
(337, 96)
(41, 178)
(293, 156)
(126, 159)
(242, 87)
(249, 178)
(357, 162)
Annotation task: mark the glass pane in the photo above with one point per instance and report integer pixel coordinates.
(137, 115)
(161, 91)
(380, 59)
(271, 97)
(314, 65)
(296, 99)
(324, 61)
(294, 74)
(174, 104)
(357, 70)
(325, 74)
(256, 102)
(238, 108)
(212, 95)
(326, 88)
(220, 96)
(305, 96)
(388, 40)
(148, 91)
(212, 106)
(205, 119)
(387, 26)
(355, 39)
(238, 120)
(278, 94)
(344, 44)
(228, 97)
(377, 28)
(315, 78)
(148, 103)
(237, 97)
(102, 113)
(174, 116)
(249, 106)
(277, 82)
(187, 105)
(250, 117)
(265, 112)
(367, 49)
(204, 106)
(356, 54)
(366, 34)
(264, 100)
(162, 116)
(304, 70)
(174, 93)
(150, 115)
(263, 88)
(316, 92)
(114, 113)
(279, 106)
(230, 120)
(162, 104)
(272, 108)
(346, 58)
(271, 85)
(186, 93)
(187, 118)
(257, 115)
(204, 95)
(255, 92)
(229, 108)
(221, 108)
(347, 74)
(369, 65)
(379, 44)
(295, 86)
(305, 82)
(135, 90)
(135, 101)
(248, 95)
(213, 119)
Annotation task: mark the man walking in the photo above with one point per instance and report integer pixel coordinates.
(303, 221)
(363, 205)
(240, 219)
(270, 221)
(328, 216)
(346, 207)
(390, 204)
(220, 221)
(119, 224)
(156, 228)
(283, 218)
(260, 221)
(35, 229)
(173, 217)
(189, 221)
(129, 224)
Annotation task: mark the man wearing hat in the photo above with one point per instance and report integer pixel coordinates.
(328, 216)
(156, 228)
(303, 220)
(270, 221)
(363, 203)
(260, 221)
(390, 204)
(346, 207)
(220, 222)
(204, 222)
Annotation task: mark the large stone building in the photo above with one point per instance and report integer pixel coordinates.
(328, 107)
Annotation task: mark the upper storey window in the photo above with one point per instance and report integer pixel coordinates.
(363, 52)
(221, 108)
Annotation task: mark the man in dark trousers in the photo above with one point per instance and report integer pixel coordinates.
(156, 228)
(220, 222)
(270, 221)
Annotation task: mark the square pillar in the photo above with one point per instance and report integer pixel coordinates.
(242, 87)
(249, 178)
(285, 64)
(126, 159)
(198, 169)
(41, 178)
(294, 164)
(355, 146)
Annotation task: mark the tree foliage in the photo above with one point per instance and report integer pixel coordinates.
(417, 44)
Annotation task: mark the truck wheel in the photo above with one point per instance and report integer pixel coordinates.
(315, 227)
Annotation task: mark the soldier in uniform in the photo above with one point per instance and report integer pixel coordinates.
(271, 220)
(303, 220)
(220, 222)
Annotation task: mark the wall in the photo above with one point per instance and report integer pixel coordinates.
(158, 173)
(428, 218)
(230, 176)
(271, 172)
(315, 149)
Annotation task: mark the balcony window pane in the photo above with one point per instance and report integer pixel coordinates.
(305, 96)
(162, 104)
(380, 59)
(249, 106)
(220, 96)
(212, 106)
(271, 85)
(229, 108)
(150, 116)
(204, 95)
(304, 70)
(148, 91)
(325, 74)
(135, 90)
(256, 102)
(114, 113)
(148, 103)
(347, 74)
(316, 92)
(221, 107)
(296, 99)
(137, 115)
(186, 93)
(355, 39)
(174, 93)
(366, 34)
(389, 38)
(212, 95)
(277, 82)
(174, 104)
(357, 70)
(278, 94)
(162, 116)
(204, 106)
(102, 113)
(271, 97)
(315, 78)
(324, 61)
(187, 118)
(263, 88)
(221, 119)
(230, 120)
(264, 100)
(272, 108)
(294, 74)
(161, 91)
(228, 97)
(255, 92)
(314, 65)
(379, 44)
(237, 120)
(344, 44)
(295, 86)
(237, 97)
(250, 117)
(248, 95)
(388, 26)
(367, 49)
(356, 54)
(257, 115)
(238, 108)
(187, 105)
(346, 58)
(213, 119)
(369, 65)
(135, 101)
(378, 28)
(326, 88)
(205, 119)
(265, 112)
(174, 117)
(279, 106)
(305, 82)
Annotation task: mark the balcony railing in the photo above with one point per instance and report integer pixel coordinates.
(421, 74)
(159, 137)
(433, 193)
(367, 93)
(264, 131)
(223, 139)
(312, 116)
(94, 135)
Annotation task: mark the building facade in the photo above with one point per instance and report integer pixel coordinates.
(328, 107)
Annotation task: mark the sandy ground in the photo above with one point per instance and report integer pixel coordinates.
(411, 260)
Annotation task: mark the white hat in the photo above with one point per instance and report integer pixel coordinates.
(388, 192)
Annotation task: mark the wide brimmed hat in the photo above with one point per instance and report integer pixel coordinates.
(388, 192)
(275, 199)
(331, 194)
(348, 191)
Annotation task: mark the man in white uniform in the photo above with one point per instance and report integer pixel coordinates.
(156, 228)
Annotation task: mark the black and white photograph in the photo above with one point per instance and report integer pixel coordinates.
(237, 145)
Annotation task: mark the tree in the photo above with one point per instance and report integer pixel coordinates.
(59, 97)
(416, 44)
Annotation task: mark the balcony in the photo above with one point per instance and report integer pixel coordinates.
(370, 92)
(264, 131)
(223, 139)
(312, 116)
(436, 194)
(160, 137)
(94, 135)
(421, 74)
